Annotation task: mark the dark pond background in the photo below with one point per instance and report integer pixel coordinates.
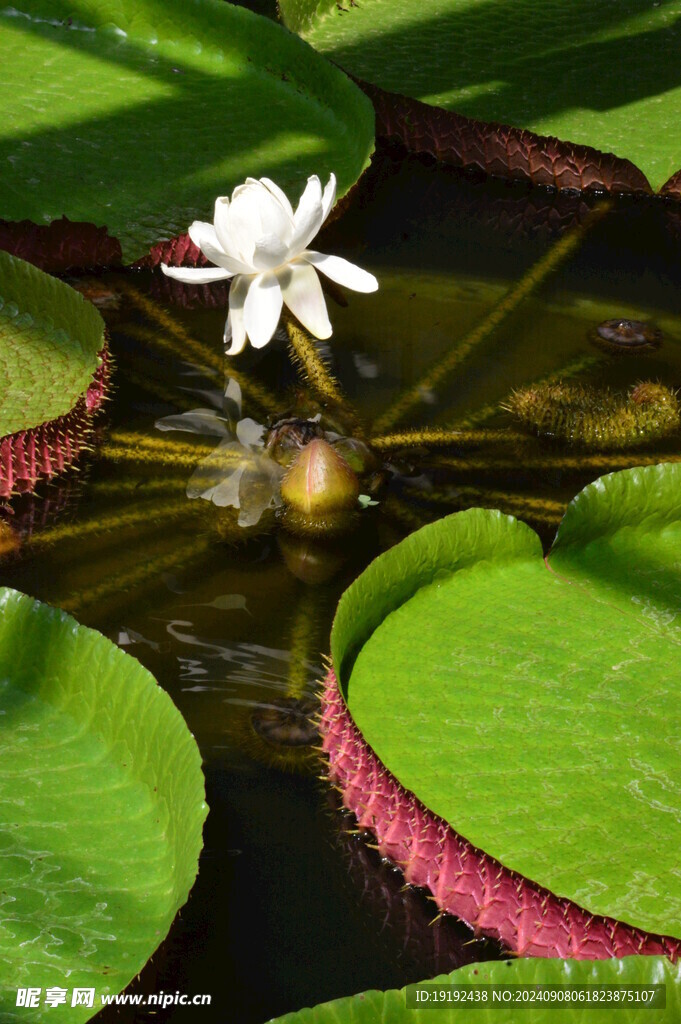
(290, 908)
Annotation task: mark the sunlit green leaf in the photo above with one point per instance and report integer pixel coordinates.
(135, 114)
(101, 811)
(534, 706)
(591, 72)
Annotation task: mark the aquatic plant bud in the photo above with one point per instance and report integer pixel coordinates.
(597, 418)
(627, 336)
(320, 482)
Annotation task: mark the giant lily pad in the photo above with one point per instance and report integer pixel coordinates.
(102, 809)
(52, 354)
(590, 72)
(532, 705)
(398, 1005)
(135, 114)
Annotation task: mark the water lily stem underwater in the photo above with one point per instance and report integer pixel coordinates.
(565, 246)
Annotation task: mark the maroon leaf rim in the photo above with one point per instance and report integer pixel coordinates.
(43, 452)
(463, 880)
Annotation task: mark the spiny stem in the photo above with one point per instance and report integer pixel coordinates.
(304, 351)
(127, 446)
(435, 437)
(119, 520)
(536, 275)
(119, 453)
(544, 463)
(139, 489)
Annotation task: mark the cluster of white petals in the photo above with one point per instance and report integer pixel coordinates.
(257, 240)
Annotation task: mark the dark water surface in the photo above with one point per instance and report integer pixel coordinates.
(289, 908)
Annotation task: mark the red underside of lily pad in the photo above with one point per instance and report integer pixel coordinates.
(43, 452)
(463, 880)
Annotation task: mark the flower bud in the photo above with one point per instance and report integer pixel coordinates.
(320, 490)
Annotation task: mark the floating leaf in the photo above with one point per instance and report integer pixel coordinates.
(102, 803)
(555, 70)
(533, 706)
(368, 1007)
(135, 114)
(52, 348)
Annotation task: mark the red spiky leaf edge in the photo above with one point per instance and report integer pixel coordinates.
(499, 149)
(463, 880)
(29, 456)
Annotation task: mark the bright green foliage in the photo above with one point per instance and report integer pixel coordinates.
(535, 706)
(50, 337)
(369, 1007)
(135, 114)
(101, 810)
(588, 71)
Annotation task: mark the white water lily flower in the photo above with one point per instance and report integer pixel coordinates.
(259, 241)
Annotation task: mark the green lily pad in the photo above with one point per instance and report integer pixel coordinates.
(135, 114)
(102, 802)
(50, 340)
(392, 1005)
(534, 706)
(591, 73)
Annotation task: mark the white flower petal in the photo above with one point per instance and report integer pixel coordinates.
(249, 432)
(280, 195)
(244, 221)
(341, 271)
(308, 216)
(259, 490)
(235, 328)
(196, 275)
(196, 421)
(275, 220)
(270, 252)
(303, 295)
(220, 220)
(262, 308)
(329, 197)
(205, 236)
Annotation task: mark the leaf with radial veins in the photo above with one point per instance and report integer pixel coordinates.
(101, 811)
(547, 691)
(590, 72)
(135, 114)
(645, 971)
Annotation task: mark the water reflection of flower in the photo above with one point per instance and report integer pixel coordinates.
(238, 473)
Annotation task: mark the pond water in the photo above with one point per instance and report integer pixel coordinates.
(484, 287)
